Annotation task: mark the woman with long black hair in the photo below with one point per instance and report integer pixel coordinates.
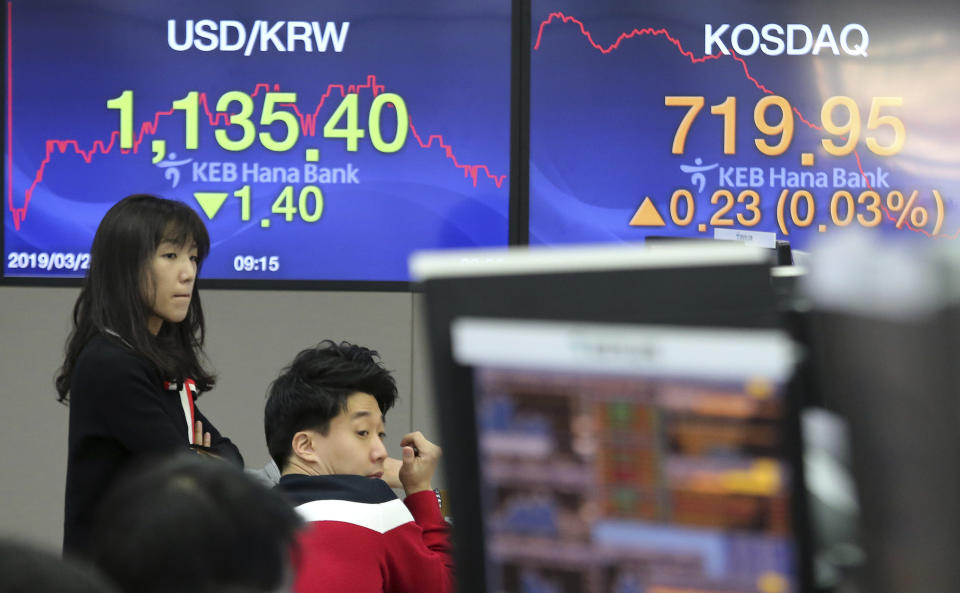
(134, 359)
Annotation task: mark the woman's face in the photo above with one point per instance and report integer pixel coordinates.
(171, 273)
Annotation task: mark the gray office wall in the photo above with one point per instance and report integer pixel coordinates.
(251, 335)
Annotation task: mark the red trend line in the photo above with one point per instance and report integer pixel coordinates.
(308, 123)
(16, 221)
(616, 44)
(656, 33)
(308, 126)
(699, 60)
(468, 170)
(100, 147)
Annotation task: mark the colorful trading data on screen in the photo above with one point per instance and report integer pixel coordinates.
(318, 141)
(624, 459)
(762, 121)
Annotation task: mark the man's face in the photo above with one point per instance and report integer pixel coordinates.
(354, 443)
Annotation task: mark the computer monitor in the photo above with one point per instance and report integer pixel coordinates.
(894, 383)
(617, 420)
(782, 253)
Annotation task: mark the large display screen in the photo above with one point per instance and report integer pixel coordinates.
(625, 458)
(318, 140)
(785, 120)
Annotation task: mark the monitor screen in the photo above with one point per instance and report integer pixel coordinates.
(776, 120)
(318, 141)
(629, 458)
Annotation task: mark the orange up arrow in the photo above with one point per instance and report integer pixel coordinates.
(647, 215)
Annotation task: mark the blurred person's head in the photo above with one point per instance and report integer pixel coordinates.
(197, 525)
(324, 413)
(25, 569)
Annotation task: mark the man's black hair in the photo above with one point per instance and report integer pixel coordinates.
(194, 524)
(314, 389)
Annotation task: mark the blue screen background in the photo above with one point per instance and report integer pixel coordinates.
(601, 136)
(449, 61)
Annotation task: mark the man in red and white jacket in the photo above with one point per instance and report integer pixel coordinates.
(324, 429)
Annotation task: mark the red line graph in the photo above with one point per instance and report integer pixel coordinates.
(649, 31)
(9, 122)
(308, 126)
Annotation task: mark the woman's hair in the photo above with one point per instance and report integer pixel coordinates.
(112, 300)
